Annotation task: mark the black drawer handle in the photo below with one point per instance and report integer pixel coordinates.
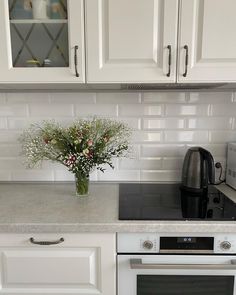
(169, 61)
(46, 243)
(186, 61)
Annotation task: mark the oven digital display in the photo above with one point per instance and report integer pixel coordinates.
(187, 240)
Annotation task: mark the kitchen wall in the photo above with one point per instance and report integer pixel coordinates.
(165, 125)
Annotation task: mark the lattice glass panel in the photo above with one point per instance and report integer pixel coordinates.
(39, 33)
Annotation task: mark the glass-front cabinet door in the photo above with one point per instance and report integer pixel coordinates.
(42, 41)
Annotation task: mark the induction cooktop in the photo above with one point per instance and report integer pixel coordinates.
(150, 201)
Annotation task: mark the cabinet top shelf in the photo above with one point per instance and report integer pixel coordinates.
(38, 21)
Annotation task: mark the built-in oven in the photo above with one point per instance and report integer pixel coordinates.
(161, 264)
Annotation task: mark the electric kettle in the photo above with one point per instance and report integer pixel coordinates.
(198, 171)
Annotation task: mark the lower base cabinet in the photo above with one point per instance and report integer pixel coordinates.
(57, 264)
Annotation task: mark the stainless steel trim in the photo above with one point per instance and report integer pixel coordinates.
(46, 243)
(138, 264)
(187, 251)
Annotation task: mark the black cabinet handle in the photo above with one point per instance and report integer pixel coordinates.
(46, 243)
(169, 61)
(76, 61)
(186, 61)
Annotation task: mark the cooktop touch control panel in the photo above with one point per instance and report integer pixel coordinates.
(166, 243)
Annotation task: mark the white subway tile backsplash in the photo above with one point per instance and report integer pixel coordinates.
(108, 110)
(218, 123)
(222, 136)
(167, 123)
(164, 124)
(161, 175)
(143, 136)
(50, 110)
(164, 97)
(121, 98)
(75, 98)
(140, 164)
(186, 136)
(13, 110)
(211, 97)
(31, 97)
(224, 109)
(32, 175)
(162, 150)
(140, 110)
(187, 110)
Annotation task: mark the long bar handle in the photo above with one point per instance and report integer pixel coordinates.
(76, 61)
(46, 243)
(169, 61)
(186, 61)
(138, 264)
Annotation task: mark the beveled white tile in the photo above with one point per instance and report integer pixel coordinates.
(144, 136)
(5, 175)
(10, 150)
(222, 136)
(133, 123)
(140, 110)
(140, 164)
(161, 175)
(108, 110)
(7, 136)
(224, 109)
(211, 97)
(29, 97)
(119, 175)
(76, 98)
(172, 163)
(186, 136)
(118, 98)
(218, 123)
(13, 110)
(163, 150)
(163, 97)
(187, 110)
(163, 123)
(50, 110)
(22, 123)
(32, 175)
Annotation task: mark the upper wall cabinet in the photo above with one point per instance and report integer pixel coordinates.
(207, 41)
(131, 41)
(42, 41)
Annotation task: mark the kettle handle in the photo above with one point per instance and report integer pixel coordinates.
(207, 156)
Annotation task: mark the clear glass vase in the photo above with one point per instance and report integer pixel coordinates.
(81, 185)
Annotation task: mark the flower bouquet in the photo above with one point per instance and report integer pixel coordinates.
(85, 145)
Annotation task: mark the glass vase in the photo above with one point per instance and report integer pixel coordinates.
(81, 185)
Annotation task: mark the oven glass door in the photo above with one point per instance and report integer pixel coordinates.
(176, 275)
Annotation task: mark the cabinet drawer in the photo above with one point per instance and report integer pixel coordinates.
(81, 264)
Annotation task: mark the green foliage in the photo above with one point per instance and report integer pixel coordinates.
(81, 147)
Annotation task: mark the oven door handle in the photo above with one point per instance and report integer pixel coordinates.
(138, 264)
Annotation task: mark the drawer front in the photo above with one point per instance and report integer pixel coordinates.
(81, 264)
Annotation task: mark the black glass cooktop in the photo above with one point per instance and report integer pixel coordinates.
(145, 201)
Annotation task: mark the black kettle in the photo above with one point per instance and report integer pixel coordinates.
(198, 171)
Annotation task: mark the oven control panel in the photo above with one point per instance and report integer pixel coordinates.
(172, 243)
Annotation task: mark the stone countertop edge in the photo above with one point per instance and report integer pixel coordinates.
(53, 208)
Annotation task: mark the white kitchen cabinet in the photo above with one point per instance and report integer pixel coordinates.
(46, 48)
(131, 41)
(207, 28)
(81, 264)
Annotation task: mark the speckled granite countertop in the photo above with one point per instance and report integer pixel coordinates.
(52, 207)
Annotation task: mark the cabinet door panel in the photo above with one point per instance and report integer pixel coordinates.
(83, 264)
(40, 48)
(208, 29)
(127, 40)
